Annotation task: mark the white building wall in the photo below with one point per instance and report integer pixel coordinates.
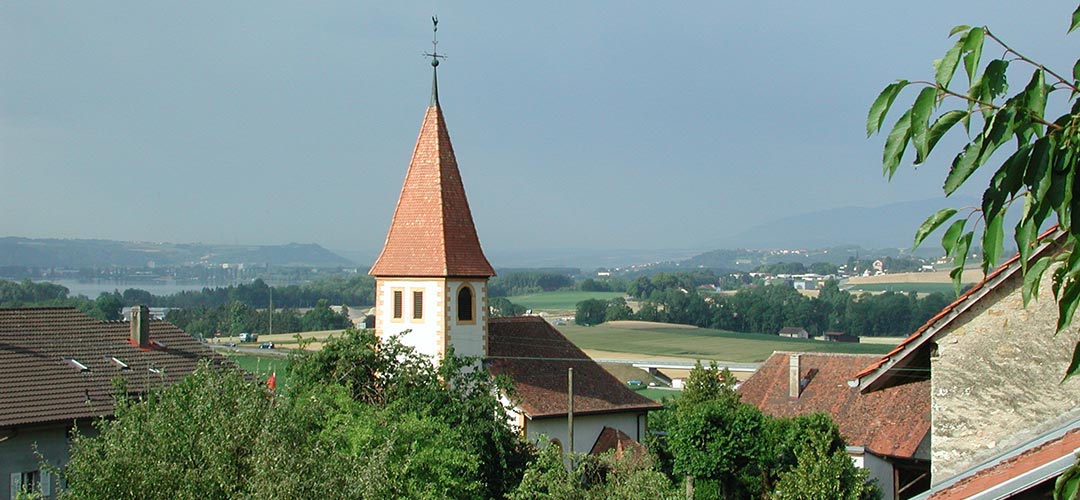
(468, 338)
(881, 471)
(427, 334)
(586, 428)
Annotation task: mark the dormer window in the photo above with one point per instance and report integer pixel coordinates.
(76, 364)
(465, 304)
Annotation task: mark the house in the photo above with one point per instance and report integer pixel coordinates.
(840, 337)
(887, 431)
(58, 369)
(538, 358)
(794, 332)
(431, 292)
(995, 368)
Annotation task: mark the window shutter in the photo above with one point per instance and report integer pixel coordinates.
(46, 484)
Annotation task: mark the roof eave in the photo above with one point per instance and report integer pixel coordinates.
(877, 377)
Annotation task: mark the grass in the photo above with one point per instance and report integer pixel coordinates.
(701, 343)
(658, 395)
(263, 366)
(559, 301)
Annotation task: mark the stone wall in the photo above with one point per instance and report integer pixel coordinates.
(996, 379)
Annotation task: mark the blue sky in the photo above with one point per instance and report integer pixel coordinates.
(577, 125)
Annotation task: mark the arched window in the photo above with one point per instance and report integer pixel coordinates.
(465, 304)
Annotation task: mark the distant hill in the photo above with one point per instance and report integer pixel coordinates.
(30, 252)
(887, 226)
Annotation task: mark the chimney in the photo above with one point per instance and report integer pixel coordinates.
(793, 375)
(140, 326)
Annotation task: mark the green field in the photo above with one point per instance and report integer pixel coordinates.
(700, 343)
(658, 395)
(263, 366)
(560, 301)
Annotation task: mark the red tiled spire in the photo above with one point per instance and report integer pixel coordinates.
(432, 232)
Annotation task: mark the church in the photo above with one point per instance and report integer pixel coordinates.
(431, 291)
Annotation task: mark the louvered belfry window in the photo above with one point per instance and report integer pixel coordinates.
(418, 305)
(397, 304)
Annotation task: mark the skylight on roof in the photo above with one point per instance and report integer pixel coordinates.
(120, 364)
(76, 364)
(154, 370)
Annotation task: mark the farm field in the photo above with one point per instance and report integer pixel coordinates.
(559, 302)
(629, 340)
(919, 288)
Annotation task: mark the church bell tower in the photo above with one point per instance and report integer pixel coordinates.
(431, 276)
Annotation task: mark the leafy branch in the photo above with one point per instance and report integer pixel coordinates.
(1040, 170)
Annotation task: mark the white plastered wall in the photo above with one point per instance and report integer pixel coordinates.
(586, 429)
(428, 333)
(469, 338)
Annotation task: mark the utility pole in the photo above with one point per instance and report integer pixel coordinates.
(570, 416)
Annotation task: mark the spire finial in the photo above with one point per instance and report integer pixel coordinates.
(435, 56)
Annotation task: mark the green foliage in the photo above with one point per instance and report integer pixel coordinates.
(523, 282)
(1038, 172)
(590, 312)
(709, 384)
(823, 472)
(358, 420)
(731, 447)
(194, 440)
(593, 478)
(501, 306)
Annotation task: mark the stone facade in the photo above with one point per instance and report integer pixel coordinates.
(997, 377)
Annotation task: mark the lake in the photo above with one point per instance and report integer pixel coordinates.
(92, 289)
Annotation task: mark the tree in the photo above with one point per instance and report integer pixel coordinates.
(1039, 173)
(617, 310)
(590, 312)
(823, 472)
(360, 419)
(501, 306)
(593, 478)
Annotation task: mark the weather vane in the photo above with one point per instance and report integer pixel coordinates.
(435, 55)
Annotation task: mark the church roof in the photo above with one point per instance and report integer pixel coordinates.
(536, 357)
(432, 232)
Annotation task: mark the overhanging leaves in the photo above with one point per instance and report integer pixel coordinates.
(993, 236)
(946, 66)
(920, 122)
(963, 166)
(881, 106)
(973, 45)
(896, 143)
(931, 224)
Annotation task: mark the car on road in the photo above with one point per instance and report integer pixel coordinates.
(267, 345)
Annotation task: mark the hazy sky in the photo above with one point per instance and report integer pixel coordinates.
(592, 125)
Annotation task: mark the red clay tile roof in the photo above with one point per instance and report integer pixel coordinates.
(913, 352)
(1008, 469)
(432, 232)
(891, 422)
(613, 439)
(39, 385)
(536, 357)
